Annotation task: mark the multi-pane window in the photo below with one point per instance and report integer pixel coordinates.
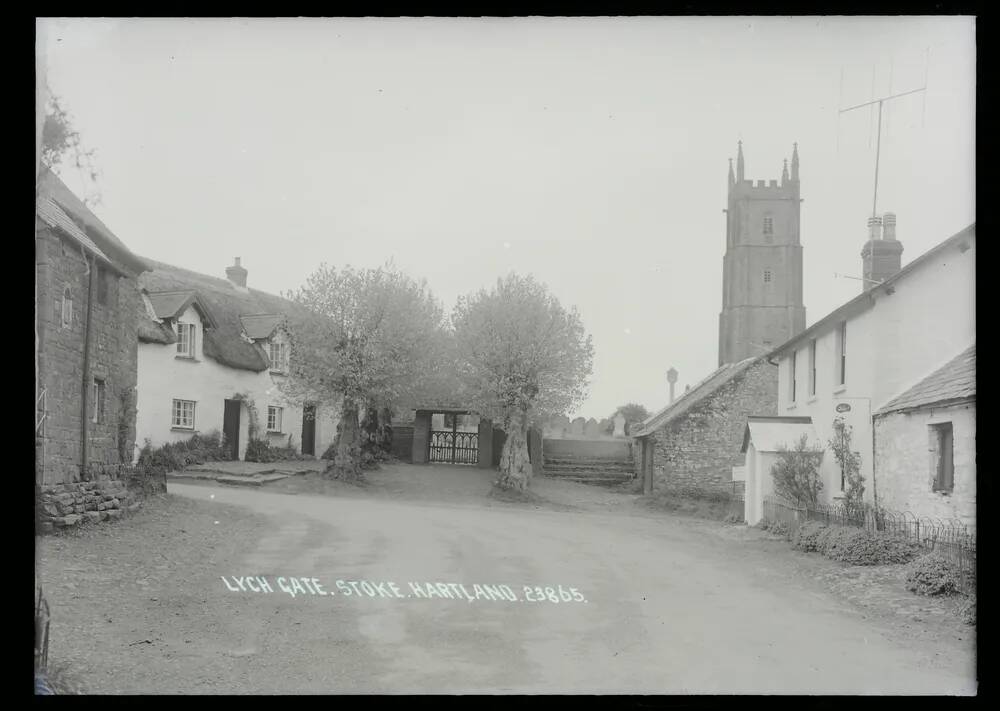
(97, 401)
(768, 229)
(812, 367)
(183, 414)
(185, 339)
(943, 450)
(278, 354)
(274, 418)
(767, 276)
(842, 353)
(67, 308)
(792, 374)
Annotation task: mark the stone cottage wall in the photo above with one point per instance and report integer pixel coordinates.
(700, 448)
(67, 504)
(113, 357)
(905, 466)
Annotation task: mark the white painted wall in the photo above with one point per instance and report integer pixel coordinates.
(163, 377)
(901, 339)
(759, 483)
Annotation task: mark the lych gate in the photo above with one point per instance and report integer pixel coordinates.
(454, 438)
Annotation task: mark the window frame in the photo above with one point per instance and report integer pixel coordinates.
(943, 461)
(279, 364)
(275, 415)
(98, 392)
(176, 422)
(767, 276)
(792, 363)
(812, 367)
(186, 331)
(842, 353)
(67, 308)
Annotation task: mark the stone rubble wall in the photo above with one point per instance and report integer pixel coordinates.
(67, 504)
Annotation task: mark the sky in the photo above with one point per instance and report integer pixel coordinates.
(589, 152)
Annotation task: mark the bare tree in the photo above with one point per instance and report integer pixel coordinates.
(521, 357)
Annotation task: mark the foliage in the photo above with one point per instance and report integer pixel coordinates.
(175, 456)
(933, 575)
(854, 546)
(376, 436)
(253, 421)
(521, 357)
(633, 412)
(850, 466)
(796, 473)
(807, 536)
(61, 143)
(371, 336)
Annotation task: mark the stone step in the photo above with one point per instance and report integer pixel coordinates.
(589, 467)
(598, 481)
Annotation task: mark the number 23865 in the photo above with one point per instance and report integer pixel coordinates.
(556, 594)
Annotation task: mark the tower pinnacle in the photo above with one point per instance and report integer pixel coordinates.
(731, 178)
(739, 162)
(795, 161)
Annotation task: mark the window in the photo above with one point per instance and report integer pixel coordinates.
(274, 418)
(183, 414)
(97, 401)
(185, 339)
(794, 355)
(812, 367)
(842, 353)
(768, 225)
(943, 452)
(102, 286)
(767, 276)
(278, 354)
(67, 308)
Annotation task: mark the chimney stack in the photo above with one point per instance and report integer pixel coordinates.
(672, 379)
(237, 274)
(882, 254)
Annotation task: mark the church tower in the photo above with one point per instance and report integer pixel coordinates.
(762, 269)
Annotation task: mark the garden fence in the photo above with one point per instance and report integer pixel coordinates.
(949, 538)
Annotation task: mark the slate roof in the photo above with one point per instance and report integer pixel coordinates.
(953, 382)
(769, 434)
(261, 325)
(224, 341)
(50, 186)
(692, 397)
(54, 216)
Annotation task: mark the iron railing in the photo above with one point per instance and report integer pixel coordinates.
(950, 538)
(451, 447)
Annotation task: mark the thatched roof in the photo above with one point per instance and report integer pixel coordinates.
(226, 339)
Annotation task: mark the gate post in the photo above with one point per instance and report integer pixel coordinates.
(485, 443)
(421, 436)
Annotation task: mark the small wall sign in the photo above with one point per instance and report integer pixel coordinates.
(843, 407)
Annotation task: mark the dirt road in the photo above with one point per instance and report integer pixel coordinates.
(666, 611)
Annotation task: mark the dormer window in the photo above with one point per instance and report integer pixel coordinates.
(185, 340)
(278, 355)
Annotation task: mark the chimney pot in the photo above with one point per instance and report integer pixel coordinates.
(889, 226)
(874, 228)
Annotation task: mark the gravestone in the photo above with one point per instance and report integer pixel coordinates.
(577, 427)
(619, 425)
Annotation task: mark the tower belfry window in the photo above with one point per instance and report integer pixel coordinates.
(768, 225)
(767, 276)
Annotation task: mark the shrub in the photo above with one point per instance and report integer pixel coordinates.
(174, 456)
(796, 472)
(778, 528)
(807, 536)
(260, 450)
(865, 549)
(933, 575)
(733, 517)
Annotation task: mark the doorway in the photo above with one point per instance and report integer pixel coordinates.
(231, 428)
(309, 430)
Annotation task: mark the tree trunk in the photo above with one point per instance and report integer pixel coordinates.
(369, 437)
(347, 461)
(515, 465)
(384, 435)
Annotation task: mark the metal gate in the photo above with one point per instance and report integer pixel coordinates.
(453, 447)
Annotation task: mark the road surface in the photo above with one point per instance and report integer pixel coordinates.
(666, 610)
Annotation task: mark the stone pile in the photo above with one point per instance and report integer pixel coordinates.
(68, 504)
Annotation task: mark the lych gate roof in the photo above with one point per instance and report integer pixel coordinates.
(770, 434)
(955, 381)
(692, 397)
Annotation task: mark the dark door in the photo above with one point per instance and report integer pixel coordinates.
(309, 430)
(231, 428)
